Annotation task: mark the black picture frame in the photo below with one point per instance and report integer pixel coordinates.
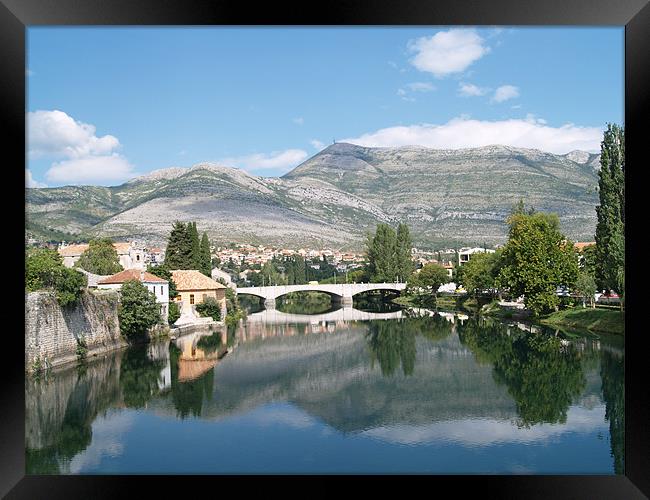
(16, 15)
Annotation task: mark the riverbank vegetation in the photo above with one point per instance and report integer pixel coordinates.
(138, 310)
(596, 320)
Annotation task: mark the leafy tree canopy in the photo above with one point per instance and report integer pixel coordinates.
(100, 257)
(138, 310)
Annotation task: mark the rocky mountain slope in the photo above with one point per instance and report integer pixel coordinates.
(448, 197)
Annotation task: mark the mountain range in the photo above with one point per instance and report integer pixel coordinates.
(447, 197)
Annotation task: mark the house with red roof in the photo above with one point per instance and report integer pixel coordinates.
(158, 286)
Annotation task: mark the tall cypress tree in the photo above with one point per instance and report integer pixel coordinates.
(195, 245)
(381, 254)
(178, 254)
(610, 230)
(206, 260)
(404, 245)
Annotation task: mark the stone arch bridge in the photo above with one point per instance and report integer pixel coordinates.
(341, 293)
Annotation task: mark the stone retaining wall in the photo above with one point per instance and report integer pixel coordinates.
(53, 333)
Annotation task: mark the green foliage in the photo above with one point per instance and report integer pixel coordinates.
(612, 374)
(209, 307)
(586, 286)
(178, 254)
(195, 244)
(188, 396)
(541, 374)
(139, 377)
(389, 253)
(82, 348)
(536, 260)
(44, 270)
(588, 258)
(430, 277)
(610, 229)
(100, 257)
(174, 312)
(138, 310)
(204, 256)
(480, 272)
(163, 272)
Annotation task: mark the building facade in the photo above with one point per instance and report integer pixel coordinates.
(193, 288)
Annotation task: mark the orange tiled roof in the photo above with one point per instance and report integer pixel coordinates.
(190, 279)
(73, 250)
(582, 245)
(130, 274)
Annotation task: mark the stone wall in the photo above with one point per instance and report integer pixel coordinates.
(52, 333)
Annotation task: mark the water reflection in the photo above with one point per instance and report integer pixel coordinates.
(419, 379)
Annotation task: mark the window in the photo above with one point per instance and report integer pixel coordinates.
(191, 298)
(137, 257)
(161, 290)
(204, 297)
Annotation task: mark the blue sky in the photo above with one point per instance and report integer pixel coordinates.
(107, 104)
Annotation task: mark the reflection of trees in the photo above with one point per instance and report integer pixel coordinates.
(188, 396)
(139, 377)
(393, 342)
(304, 303)
(612, 374)
(210, 343)
(542, 375)
(79, 395)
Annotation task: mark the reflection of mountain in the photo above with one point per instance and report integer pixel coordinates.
(330, 376)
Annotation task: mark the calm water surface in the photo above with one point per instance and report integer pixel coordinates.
(343, 391)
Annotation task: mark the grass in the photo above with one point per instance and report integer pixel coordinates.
(596, 320)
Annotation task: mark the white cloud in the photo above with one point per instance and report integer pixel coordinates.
(299, 121)
(487, 432)
(447, 52)
(463, 132)
(85, 158)
(317, 144)
(420, 87)
(91, 169)
(504, 93)
(281, 160)
(469, 89)
(30, 182)
(56, 134)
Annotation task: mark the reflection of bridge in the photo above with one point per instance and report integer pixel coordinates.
(341, 293)
(273, 316)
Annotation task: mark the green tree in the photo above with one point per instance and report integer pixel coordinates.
(588, 259)
(381, 249)
(586, 287)
(100, 257)
(206, 263)
(480, 272)
(610, 229)
(195, 243)
(138, 310)
(536, 260)
(178, 254)
(404, 244)
(44, 270)
(430, 277)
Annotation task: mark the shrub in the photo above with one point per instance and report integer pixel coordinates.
(209, 307)
(174, 313)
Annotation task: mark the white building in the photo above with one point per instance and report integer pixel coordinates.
(218, 273)
(158, 286)
(464, 254)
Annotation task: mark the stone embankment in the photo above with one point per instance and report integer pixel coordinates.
(56, 335)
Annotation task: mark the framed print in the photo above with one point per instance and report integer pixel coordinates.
(367, 242)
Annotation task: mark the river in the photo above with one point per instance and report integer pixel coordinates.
(361, 390)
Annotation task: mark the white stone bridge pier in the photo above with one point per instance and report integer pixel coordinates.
(341, 293)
